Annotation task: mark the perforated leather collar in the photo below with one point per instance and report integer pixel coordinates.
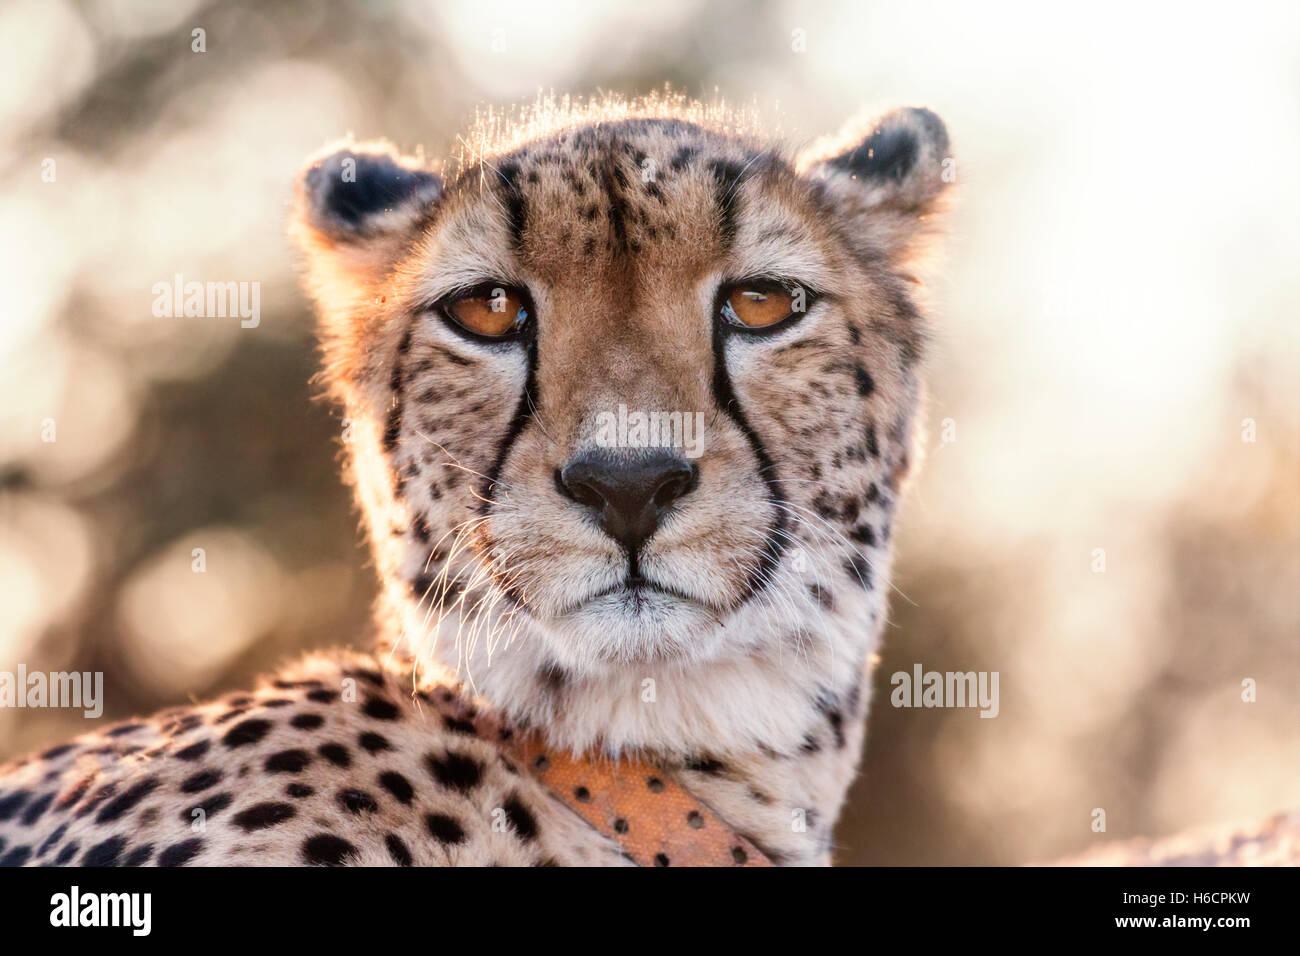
(639, 806)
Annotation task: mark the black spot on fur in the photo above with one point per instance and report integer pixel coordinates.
(260, 816)
(865, 385)
(287, 761)
(445, 829)
(17, 856)
(836, 720)
(397, 785)
(521, 818)
(822, 596)
(357, 802)
(306, 721)
(123, 729)
(194, 751)
(864, 534)
(36, 808)
(373, 743)
(299, 790)
(55, 836)
(704, 764)
(181, 853)
(11, 804)
(393, 428)
(381, 709)
(127, 801)
(325, 849)
(397, 850)
(247, 732)
(456, 771)
(213, 804)
(200, 781)
(336, 754)
(422, 585)
(104, 854)
(66, 854)
(322, 696)
(859, 569)
(139, 856)
(458, 726)
(554, 678)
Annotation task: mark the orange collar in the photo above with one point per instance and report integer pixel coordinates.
(637, 805)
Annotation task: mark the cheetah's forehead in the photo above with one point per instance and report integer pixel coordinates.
(628, 206)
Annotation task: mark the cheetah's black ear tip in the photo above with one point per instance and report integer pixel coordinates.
(903, 156)
(360, 190)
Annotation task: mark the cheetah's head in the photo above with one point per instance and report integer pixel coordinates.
(642, 387)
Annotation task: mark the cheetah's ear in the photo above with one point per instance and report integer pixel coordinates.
(358, 212)
(364, 191)
(893, 174)
(357, 209)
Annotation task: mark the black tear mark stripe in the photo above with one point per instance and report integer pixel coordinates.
(729, 403)
(525, 408)
(728, 176)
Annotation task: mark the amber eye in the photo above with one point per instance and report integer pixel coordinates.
(490, 311)
(755, 306)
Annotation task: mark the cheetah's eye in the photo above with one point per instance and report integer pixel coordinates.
(758, 305)
(493, 312)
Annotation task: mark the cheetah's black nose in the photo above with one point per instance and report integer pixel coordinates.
(629, 495)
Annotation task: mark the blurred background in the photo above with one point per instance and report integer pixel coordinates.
(1118, 320)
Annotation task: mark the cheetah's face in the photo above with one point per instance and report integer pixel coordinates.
(633, 380)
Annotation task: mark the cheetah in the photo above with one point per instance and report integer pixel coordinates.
(577, 615)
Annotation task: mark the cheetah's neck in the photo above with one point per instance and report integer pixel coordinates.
(770, 742)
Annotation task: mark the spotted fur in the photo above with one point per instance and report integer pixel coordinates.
(744, 669)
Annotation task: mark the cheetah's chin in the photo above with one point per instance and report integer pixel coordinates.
(635, 625)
